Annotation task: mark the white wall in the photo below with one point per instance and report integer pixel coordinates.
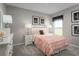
(20, 18)
(67, 23)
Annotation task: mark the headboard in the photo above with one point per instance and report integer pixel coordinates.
(35, 30)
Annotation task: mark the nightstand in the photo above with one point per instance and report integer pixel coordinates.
(28, 39)
(6, 46)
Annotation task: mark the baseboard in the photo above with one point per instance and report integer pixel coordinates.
(18, 44)
(76, 46)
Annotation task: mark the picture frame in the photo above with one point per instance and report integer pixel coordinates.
(75, 29)
(75, 16)
(35, 20)
(42, 21)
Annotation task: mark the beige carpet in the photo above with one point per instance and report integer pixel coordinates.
(31, 50)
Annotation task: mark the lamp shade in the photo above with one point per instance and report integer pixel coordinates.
(49, 26)
(28, 29)
(7, 19)
(27, 25)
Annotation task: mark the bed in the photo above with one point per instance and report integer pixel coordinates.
(50, 44)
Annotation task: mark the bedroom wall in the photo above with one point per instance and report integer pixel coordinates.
(67, 23)
(2, 8)
(2, 11)
(20, 18)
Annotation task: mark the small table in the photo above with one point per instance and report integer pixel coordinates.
(28, 39)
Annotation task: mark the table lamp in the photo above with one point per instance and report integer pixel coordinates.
(7, 20)
(28, 28)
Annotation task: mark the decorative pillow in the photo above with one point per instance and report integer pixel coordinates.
(41, 32)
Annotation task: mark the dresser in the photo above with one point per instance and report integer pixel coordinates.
(6, 46)
(28, 39)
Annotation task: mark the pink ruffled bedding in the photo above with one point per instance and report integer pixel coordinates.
(48, 43)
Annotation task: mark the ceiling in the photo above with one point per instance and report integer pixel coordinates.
(47, 8)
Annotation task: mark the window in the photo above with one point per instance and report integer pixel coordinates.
(58, 26)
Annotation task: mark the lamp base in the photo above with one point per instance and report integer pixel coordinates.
(7, 25)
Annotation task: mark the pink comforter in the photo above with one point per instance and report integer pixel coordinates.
(48, 43)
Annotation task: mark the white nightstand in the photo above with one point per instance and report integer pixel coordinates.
(6, 46)
(28, 39)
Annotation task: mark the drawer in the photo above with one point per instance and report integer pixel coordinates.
(29, 42)
(28, 38)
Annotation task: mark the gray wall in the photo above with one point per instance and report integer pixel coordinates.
(2, 8)
(2, 11)
(20, 18)
(67, 23)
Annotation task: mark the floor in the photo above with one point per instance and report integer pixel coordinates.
(31, 50)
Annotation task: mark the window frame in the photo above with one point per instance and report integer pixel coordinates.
(58, 18)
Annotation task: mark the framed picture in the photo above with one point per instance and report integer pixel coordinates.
(42, 21)
(35, 20)
(75, 16)
(75, 29)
